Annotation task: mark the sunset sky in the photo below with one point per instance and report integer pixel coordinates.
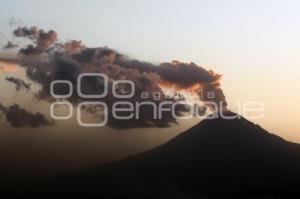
(255, 45)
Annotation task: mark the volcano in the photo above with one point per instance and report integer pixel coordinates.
(216, 158)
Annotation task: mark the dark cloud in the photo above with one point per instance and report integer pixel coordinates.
(65, 61)
(30, 33)
(74, 47)
(42, 40)
(19, 84)
(182, 76)
(19, 117)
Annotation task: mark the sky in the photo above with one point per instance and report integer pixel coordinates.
(254, 44)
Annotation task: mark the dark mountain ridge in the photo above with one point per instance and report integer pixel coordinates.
(214, 159)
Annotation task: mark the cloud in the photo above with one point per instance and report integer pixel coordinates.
(46, 59)
(19, 84)
(19, 117)
(73, 47)
(182, 76)
(42, 40)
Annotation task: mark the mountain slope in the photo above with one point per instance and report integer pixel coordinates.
(215, 158)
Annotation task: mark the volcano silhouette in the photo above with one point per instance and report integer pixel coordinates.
(215, 159)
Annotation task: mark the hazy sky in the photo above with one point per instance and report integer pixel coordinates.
(254, 44)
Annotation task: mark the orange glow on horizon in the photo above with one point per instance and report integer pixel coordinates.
(9, 67)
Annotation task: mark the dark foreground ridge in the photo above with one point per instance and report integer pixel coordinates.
(214, 159)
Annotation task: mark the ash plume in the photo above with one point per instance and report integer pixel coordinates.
(183, 76)
(19, 83)
(19, 117)
(74, 47)
(46, 59)
(42, 40)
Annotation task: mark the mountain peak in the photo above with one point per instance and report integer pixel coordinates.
(216, 157)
